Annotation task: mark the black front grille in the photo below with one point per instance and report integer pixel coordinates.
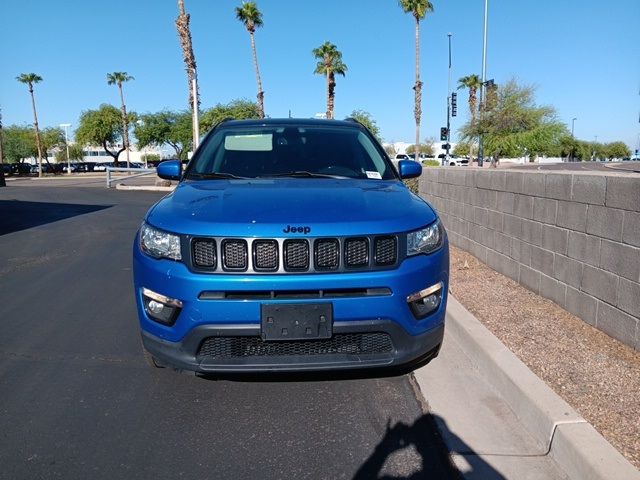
(385, 250)
(356, 252)
(204, 253)
(296, 255)
(293, 255)
(265, 255)
(327, 254)
(341, 343)
(234, 254)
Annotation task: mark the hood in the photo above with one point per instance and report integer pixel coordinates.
(290, 207)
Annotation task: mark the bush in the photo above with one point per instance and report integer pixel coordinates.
(431, 163)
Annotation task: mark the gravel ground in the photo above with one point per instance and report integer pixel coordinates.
(597, 375)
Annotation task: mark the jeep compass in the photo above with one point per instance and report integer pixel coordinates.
(290, 245)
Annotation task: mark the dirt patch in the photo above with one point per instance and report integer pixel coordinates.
(597, 375)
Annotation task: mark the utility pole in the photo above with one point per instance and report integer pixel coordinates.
(484, 79)
(449, 106)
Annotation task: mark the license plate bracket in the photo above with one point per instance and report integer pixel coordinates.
(297, 321)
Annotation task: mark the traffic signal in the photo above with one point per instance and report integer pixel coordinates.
(444, 134)
(454, 104)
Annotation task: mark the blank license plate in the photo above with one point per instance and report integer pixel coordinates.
(308, 321)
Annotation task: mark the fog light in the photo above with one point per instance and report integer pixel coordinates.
(161, 308)
(425, 301)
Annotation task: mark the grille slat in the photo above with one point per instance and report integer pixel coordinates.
(327, 254)
(356, 252)
(341, 343)
(385, 250)
(265, 254)
(296, 255)
(204, 253)
(234, 254)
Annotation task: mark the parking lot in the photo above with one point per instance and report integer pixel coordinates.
(78, 401)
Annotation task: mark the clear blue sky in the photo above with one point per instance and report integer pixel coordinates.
(583, 56)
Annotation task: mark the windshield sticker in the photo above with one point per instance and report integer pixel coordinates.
(375, 175)
(249, 143)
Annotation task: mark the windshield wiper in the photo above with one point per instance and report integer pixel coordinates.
(215, 175)
(301, 174)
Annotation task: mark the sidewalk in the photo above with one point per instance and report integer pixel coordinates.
(500, 421)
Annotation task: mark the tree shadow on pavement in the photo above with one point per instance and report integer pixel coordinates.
(17, 215)
(436, 464)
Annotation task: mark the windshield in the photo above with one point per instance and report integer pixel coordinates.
(286, 151)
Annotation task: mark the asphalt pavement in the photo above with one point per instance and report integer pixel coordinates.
(78, 401)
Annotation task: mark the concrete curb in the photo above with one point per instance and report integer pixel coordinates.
(575, 446)
(147, 188)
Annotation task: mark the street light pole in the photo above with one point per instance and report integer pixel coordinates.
(573, 124)
(449, 105)
(66, 142)
(484, 78)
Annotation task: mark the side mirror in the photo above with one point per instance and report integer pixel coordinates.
(170, 170)
(409, 169)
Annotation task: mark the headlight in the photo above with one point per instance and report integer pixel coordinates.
(159, 244)
(426, 240)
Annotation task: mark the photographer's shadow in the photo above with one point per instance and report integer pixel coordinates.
(436, 462)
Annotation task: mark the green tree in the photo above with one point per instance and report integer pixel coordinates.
(18, 143)
(418, 9)
(102, 127)
(118, 78)
(166, 127)
(462, 149)
(76, 154)
(616, 150)
(251, 17)
(516, 126)
(368, 121)
(240, 109)
(329, 64)
(2, 181)
(424, 149)
(30, 79)
(52, 137)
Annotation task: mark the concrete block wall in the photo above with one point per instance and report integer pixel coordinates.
(573, 238)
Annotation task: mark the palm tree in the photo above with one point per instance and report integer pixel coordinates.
(249, 14)
(329, 64)
(419, 10)
(29, 79)
(118, 78)
(184, 32)
(473, 82)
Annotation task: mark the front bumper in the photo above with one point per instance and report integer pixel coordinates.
(413, 340)
(408, 351)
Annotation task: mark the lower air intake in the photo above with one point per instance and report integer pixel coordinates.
(341, 343)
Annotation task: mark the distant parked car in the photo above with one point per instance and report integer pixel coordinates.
(101, 167)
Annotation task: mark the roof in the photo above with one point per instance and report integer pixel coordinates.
(291, 121)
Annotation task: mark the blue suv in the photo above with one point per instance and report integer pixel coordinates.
(290, 245)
